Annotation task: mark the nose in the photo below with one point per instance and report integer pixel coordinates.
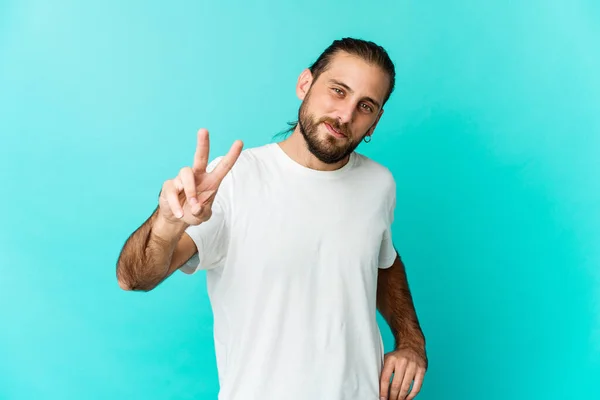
(345, 113)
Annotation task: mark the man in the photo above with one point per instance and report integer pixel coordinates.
(296, 241)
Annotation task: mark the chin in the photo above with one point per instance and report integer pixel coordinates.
(328, 137)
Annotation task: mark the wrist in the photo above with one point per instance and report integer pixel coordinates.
(416, 345)
(417, 348)
(167, 229)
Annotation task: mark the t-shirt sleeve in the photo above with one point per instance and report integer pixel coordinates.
(210, 237)
(387, 251)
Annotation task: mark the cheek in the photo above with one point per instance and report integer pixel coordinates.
(321, 104)
(368, 123)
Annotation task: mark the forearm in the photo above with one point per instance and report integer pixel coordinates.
(146, 256)
(395, 304)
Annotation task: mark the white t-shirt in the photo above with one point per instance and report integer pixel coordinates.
(292, 255)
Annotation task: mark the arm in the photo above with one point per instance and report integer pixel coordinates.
(152, 253)
(395, 304)
(160, 246)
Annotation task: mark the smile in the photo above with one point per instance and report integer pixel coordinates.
(334, 132)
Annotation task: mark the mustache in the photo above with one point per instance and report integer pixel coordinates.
(337, 126)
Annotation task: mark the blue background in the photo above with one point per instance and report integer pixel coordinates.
(493, 135)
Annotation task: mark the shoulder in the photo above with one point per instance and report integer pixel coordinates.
(377, 172)
(256, 155)
(379, 181)
(248, 159)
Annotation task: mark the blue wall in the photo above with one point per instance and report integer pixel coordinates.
(493, 135)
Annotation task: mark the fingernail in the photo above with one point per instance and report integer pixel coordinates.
(193, 201)
(382, 398)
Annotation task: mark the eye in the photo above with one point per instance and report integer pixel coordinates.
(366, 107)
(338, 91)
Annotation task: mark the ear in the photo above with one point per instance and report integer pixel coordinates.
(304, 82)
(372, 128)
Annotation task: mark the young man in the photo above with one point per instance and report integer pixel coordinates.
(296, 241)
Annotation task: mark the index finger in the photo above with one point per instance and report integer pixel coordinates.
(227, 162)
(202, 150)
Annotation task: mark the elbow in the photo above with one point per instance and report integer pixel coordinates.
(125, 285)
(129, 283)
(124, 279)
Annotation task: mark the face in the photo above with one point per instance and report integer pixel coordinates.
(341, 106)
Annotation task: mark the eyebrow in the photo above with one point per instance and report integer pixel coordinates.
(342, 84)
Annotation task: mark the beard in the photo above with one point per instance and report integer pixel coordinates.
(329, 149)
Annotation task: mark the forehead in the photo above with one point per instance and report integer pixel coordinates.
(363, 78)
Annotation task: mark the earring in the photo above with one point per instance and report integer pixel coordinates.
(367, 138)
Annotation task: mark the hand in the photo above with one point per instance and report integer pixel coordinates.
(189, 196)
(406, 365)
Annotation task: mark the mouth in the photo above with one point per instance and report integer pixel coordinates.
(334, 131)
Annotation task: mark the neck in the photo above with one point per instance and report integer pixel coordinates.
(296, 148)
